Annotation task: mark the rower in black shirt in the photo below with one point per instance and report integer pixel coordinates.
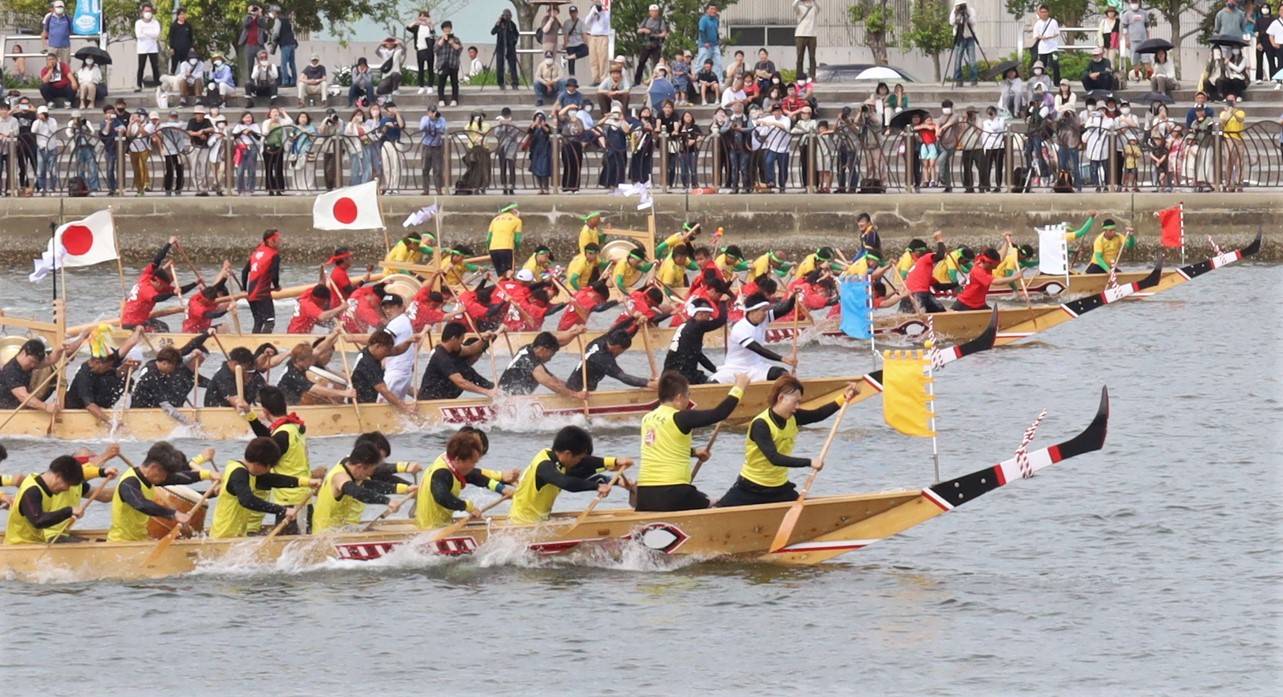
(295, 382)
(167, 379)
(686, 352)
(367, 374)
(445, 376)
(98, 383)
(600, 355)
(15, 376)
(222, 390)
(528, 369)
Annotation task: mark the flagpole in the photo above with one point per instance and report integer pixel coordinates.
(120, 265)
(931, 407)
(53, 251)
(1181, 206)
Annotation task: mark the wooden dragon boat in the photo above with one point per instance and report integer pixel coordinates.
(828, 527)
(1057, 286)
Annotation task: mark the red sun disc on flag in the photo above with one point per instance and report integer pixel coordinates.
(77, 240)
(345, 210)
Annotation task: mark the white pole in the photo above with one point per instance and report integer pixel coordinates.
(1182, 215)
(931, 406)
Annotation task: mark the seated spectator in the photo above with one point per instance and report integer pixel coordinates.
(222, 81)
(57, 82)
(475, 68)
(709, 87)
(735, 94)
(877, 103)
(1163, 80)
(763, 70)
(1038, 76)
(313, 85)
(263, 79)
(548, 82)
(737, 68)
(1013, 97)
(661, 88)
(362, 83)
(614, 88)
(897, 102)
(570, 94)
(191, 77)
(1100, 74)
(681, 68)
(793, 104)
(88, 77)
(1066, 100)
(1234, 80)
(392, 54)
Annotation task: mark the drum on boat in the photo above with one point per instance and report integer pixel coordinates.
(180, 498)
(615, 250)
(402, 285)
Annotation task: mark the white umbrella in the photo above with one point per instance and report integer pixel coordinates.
(879, 72)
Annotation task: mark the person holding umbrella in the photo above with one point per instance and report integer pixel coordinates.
(1163, 79)
(88, 76)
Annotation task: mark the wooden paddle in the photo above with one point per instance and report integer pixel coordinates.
(583, 372)
(347, 370)
(32, 394)
(797, 312)
(218, 342)
(414, 491)
(600, 497)
(454, 528)
(286, 520)
(709, 447)
(177, 530)
(650, 354)
(240, 382)
(794, 512)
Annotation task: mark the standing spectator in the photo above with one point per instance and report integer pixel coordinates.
(1163, 80)
(391, 125)
(661, 88)
(776, 140)
(372, 142)
(476, 173)
(950, 129)
(1230, 20)
(173, 143)
(392, 53)
(688, 140)
(613, 89)
(550, 30)
(57, 83)
(80, 134)
(200, 131)
(217, 162)
(362, 86)
(598, 40)
(574, 43)
(1109, 34)
(848, 135)
(572, 129)
(45, 129)
(248, 135)
(314, 85)
(448, 50)
(110, 134)
(539, 144)
(1269, 58)
(331, 130)
(25, 115)
(807, 130)
(181, 41)
(355, 137)
(140, 133)
(1274, 34)
(1046, 41)
(147, 35)
(507, 144)
(548, 82)
(252, 39)
(475, 67)
(1069, 140)
(88, 77)
(878, 102)
(709, 37)
(55, 29)
(1159, 160)
(710, 86)
(1039, 120)
(736, 136)
(423, 34)
(1097, 128)
(1134, 20)
(962, 18)
(669, 120)
(263, 79)
(804, 36)
(300, 151)
(972, 144)
(652, 34)
(432, 135)
(682, 77)
(222, 82)
(1233, 121)
(995, 130)
(505, 35)
(190, 77)
(275, 128)
(614, 132)
(642, 131)
(281, 35)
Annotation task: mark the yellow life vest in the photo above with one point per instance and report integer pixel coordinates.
(671, 274)
(332, 511)
(19, 530)
(806, 266)
(665, 450)
(757, 468)
(128, 524)
(1009, 266)
(760, 266)
(427, 512)
(859, 267)
(625, 270)
(293, 463)
(68, 499)
(579, 272)
(904, 264)
(404, 253)
(588, 235)
(531, 503)
(1108, 249)
(231, 519)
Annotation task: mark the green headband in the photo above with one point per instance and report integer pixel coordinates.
(590, 216)
(509, 207)
(772, 257)
(639, 253)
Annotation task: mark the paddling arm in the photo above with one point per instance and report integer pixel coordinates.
(238, 485)
(760, 434)
(440, 487)
(131, 493)
(364, 493)
(29, 507)
(691, 419)
(810, 416)
(547, 473)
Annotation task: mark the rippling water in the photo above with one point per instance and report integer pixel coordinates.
(1151, 567)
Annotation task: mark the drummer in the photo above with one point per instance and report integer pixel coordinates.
(239, 504)
(591, 233)
(764, 478)
(45, 502)
(349, 486)
(438, 498)
(568, 465)
(134, 502)
(504, 238)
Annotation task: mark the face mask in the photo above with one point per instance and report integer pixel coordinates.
(775, 81)
(193, 61)
(547, 61)
(1127, 110)
(1037, 71)
(147, 16)
(217, 63)
(58, 11)
(1134, 6)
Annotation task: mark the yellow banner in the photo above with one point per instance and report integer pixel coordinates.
(905, 401)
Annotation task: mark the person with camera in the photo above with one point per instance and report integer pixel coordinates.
(449, 48)
(598, 40)
(263, 79)
(652, 33)
(423, 32)
(252, 39)
(331, 128)
(432, 133)
(963, 20)
(505, 47)
(392, 53)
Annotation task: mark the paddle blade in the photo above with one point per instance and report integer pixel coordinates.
(161, 546)
(786, 526)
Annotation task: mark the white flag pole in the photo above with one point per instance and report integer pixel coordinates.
(1181, 205)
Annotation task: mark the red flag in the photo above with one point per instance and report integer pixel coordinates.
(1172, 221)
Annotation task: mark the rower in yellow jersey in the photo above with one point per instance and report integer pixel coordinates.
(591, 232)
(568, 465)
(585, 268)
(947, 274)
(243, 479)
(288, 431)
(411, 249)
(771, 262)
(504, 238)
(539, 264)
(819, 259)
(629, 269)
(438, 498)
(730, 261)
(672, 272)
(349, 486)
(45, 504)
(909, 257)
(764, 478)
(1015, 259)
(664, 480)
(456, 267)
(133, 502)
(1108, 246)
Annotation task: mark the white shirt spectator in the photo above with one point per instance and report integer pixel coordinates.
(1275, 31)
(1096, 130)
(776, 136)
(474, 69)
(1043, 27)
(994, 129)
(264, 72)
(88, 74)
(281, 122)
(806, 12)
(173, 138)
(43, 130)
(140, 133)
(598, 22)
(147, 33)
(244, 133)
(731, 96)
(192, 73)
(396, 53)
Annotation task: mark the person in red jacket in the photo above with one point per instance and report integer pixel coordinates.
(261, 276)
(972, 296)
(918, 283)
(209, 303)
(314, 307)
(341, 260)
(593, 297)
(647, 302)
(486, 310)
(427, 307)
(362, 313)
(155, 284)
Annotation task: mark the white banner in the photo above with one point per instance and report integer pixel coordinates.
(1053, 252)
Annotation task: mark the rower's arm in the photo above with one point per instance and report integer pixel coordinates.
(364, 494)
(159, 260)
(30, 508)
(548, 473)
(552, 382)
(764, 352)
(1077, 234)
(760, 434)
(691, 419)
(238, 485)
(441, 487)
(706, 363)
(260, 431)
(467, 385)
(131, 492)
(477, 478)
(612, 369)
(811, 416)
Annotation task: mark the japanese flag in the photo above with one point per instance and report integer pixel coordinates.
(349, 208)
(79, 243)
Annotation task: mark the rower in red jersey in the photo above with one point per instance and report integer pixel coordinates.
(816, 290)
(155, 284)
(260, 276)
(972, 296)
(593, 297)
(427, 307)
(340, 280)
(209, 303)
(362, 312)
(485, 309)
(314, 307)
(647, 302)
(918, 283)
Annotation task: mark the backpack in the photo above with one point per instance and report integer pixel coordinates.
(77, 188)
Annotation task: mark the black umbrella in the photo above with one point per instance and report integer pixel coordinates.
(905, 117)
(100, 56)
(1154, 46)
(1001, 69)
(1228, 40)
(1156, 97)
(1100, 95)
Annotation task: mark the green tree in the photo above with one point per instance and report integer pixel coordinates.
(930, 30)
(683, 20)
(879, 22)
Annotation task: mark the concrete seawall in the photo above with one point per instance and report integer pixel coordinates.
(212, 228)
